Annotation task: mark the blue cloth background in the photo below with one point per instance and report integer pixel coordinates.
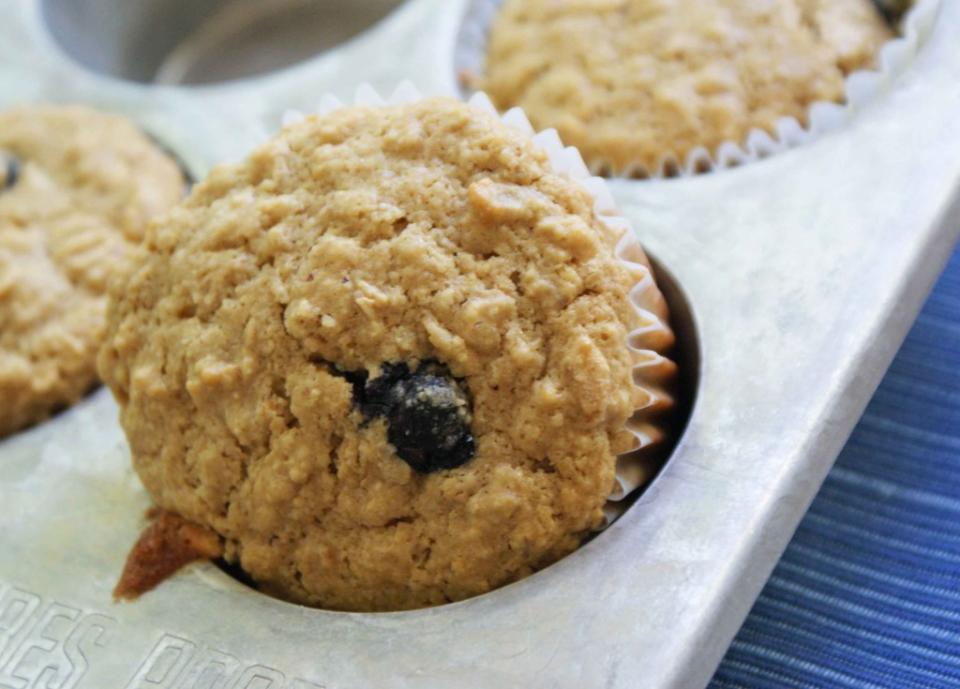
(867, 595)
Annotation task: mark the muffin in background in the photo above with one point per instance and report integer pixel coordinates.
(77, 189)
(636, 83)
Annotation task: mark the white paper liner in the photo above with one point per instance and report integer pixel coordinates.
(860, 88)
(653, 373)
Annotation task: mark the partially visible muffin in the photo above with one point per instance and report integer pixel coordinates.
(633, 82)
(385, 358)
(77, 189)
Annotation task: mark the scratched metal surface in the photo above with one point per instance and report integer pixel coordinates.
(804, 272)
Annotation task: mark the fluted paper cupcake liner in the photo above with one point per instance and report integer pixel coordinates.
(860, 88)
(653, 372)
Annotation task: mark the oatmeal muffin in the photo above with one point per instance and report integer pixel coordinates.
(634, 82)
(77, 188)
(385, 358)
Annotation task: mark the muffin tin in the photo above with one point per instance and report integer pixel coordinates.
(802, 273)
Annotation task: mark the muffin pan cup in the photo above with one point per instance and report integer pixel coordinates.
(803, 272)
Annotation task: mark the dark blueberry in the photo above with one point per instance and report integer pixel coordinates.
(9, 170)
(893, 10)
(429, 422)
(377, 398)
(427, 413)
(357, 379)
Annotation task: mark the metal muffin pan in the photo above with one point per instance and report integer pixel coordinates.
(803, 271)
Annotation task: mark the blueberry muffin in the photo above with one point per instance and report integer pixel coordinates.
(632, 83)
(77, 189)
(384, 358)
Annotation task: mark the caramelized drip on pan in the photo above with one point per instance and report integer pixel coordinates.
(168, 543)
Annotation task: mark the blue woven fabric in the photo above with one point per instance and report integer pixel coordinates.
(867, 595)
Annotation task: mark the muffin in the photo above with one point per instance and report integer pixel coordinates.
(385, 358)
(637, 83)
(77, 188)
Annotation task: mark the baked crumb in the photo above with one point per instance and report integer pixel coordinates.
(168, 543)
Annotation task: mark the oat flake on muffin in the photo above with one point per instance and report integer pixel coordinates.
(632, 83)
(384, 358)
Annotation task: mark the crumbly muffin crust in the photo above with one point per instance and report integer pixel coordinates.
(77, 190)
(629, 82)
(356, 241)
